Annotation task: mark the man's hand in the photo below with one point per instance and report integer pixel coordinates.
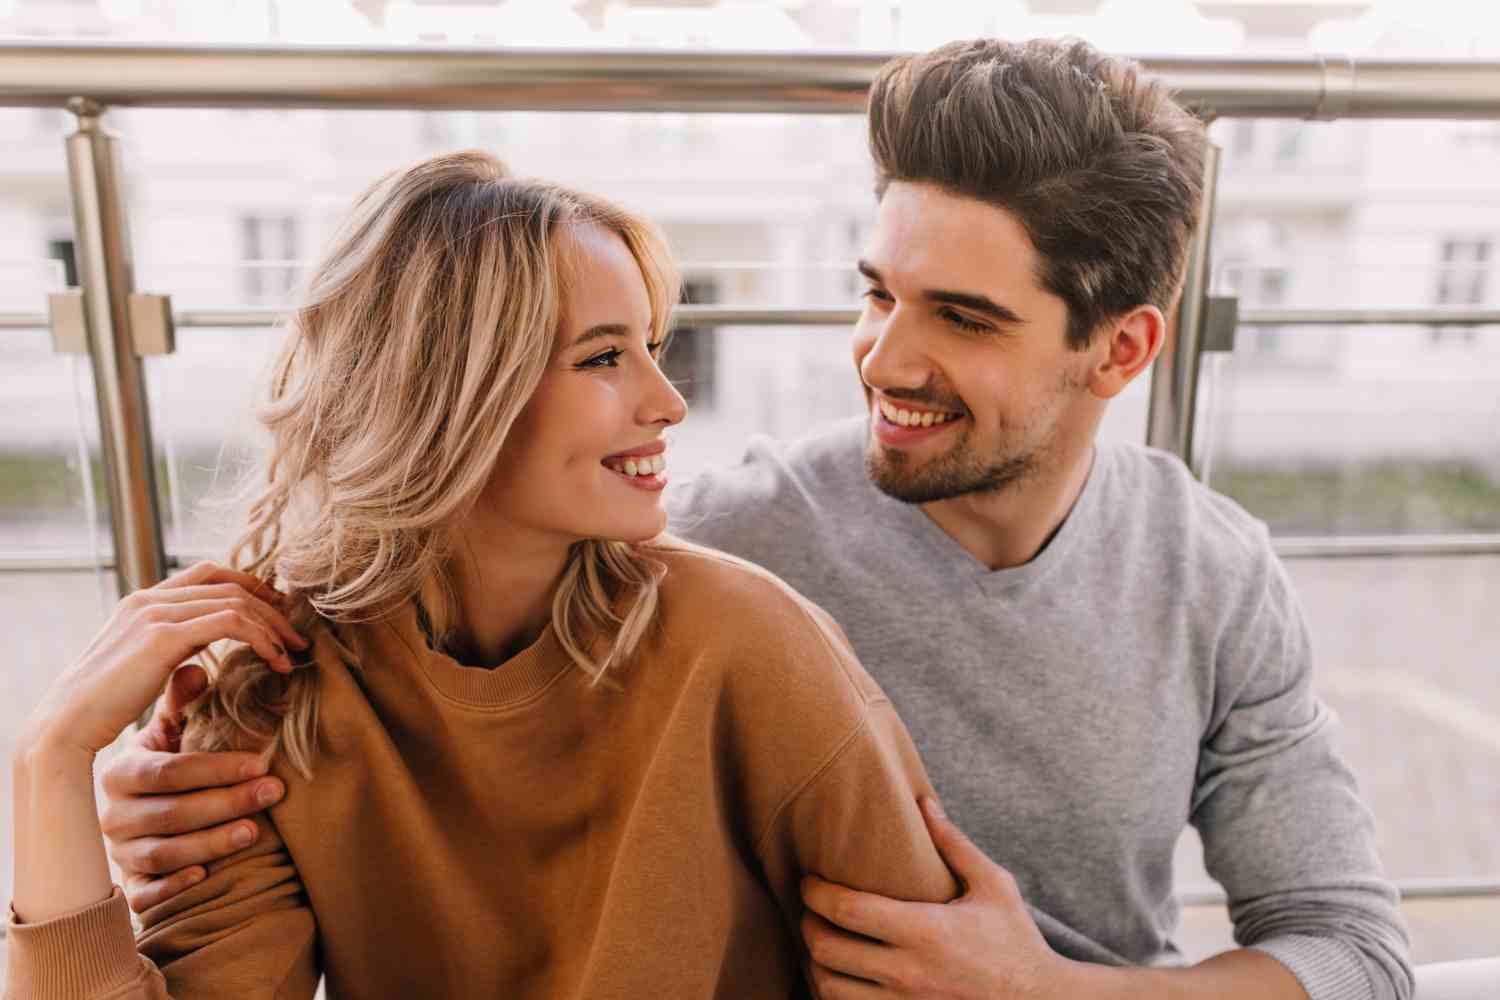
(166, 814)
(983, 944)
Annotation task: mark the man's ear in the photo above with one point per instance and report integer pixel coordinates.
(1132, 342)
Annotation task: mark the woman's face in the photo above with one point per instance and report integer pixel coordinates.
(587, 456)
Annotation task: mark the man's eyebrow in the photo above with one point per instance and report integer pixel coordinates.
(978, 303)
(602, 330)
(968, 300)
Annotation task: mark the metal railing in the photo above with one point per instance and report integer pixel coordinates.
(1323, 87)
(87, 78)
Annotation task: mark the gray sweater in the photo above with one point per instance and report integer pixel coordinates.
(1148, 669)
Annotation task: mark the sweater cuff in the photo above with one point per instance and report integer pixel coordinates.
(1328, 969)
(80, 954)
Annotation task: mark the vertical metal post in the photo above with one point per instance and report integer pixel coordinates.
(105, 273)
(1174, 381)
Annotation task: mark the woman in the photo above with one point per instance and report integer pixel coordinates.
(532, 747)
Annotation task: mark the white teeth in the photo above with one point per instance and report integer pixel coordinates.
(912, 418)
(642, 466)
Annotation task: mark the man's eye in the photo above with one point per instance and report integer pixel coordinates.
(604, 359)
(961, 321)
(879, 294)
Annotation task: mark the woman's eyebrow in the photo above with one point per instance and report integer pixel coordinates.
(602, 330)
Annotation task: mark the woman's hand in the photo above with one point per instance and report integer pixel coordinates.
(150, 634)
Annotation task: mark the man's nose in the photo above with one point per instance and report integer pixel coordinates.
(897, 358)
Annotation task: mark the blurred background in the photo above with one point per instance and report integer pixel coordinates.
(1323, 431)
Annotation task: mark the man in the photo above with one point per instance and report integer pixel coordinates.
(1091, 649)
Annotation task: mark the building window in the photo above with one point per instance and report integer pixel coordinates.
(691, 361)
(1272, 293)
(1288, 148)
(1463, 280)
(63, 250)
(268, 258)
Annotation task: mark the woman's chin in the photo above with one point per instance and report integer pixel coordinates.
(637, 530)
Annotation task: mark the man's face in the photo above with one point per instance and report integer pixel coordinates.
(971, 385)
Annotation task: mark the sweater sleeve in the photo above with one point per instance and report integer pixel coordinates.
(1283, 826)
(244, 931)
(856, 822)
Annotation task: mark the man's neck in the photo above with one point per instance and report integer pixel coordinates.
(1010, 528)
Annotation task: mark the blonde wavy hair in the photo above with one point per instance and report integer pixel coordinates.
(420, 338)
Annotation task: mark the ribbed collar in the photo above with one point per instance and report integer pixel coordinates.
(512, 683)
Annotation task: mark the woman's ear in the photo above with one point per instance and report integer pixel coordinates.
(1132, 342)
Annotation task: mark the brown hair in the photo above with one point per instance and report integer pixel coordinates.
(1102, 168)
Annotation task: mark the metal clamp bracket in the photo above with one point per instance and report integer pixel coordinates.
(68, 321)
(152, 329)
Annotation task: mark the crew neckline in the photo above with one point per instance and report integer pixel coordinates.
(511, 683)
(942, 547)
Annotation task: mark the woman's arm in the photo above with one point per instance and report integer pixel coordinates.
(62, 876)
(857, 822)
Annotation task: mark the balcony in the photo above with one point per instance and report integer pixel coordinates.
(1369, 444)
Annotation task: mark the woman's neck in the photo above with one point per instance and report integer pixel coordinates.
(504, 594)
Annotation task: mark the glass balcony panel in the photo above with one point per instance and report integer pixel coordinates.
(53, 498)
(50, 618)
(752, 217)
(1361, 430)
(205, 434)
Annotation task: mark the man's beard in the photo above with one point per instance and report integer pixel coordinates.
(956, 473)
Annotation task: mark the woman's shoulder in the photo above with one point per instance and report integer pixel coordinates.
(766, 637)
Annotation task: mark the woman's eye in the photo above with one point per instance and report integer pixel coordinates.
(604, 359)
(878, 294)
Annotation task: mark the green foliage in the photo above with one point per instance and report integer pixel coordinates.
(1385, 497)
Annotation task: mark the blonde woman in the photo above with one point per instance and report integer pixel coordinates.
(532, 747)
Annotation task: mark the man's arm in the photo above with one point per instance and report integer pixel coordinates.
(1284, 829)
(985, 946)
(167, 814)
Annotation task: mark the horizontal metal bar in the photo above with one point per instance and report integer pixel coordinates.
(1411, 890)
(1331, 547)
(1428, 316)
(24, 320)
(47, 75)
(845, 315)
(251, 318)
(54, 562)
(1376, 546)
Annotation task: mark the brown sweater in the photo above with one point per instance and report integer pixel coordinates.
(519, 833)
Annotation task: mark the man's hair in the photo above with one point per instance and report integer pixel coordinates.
(1102, 168)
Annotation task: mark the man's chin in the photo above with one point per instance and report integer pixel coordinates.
(893, 474)
(898, 483)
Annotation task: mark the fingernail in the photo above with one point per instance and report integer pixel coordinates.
(934, 808)
(242, 836)
(254, 769)
(268, 792)
(194, 877)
